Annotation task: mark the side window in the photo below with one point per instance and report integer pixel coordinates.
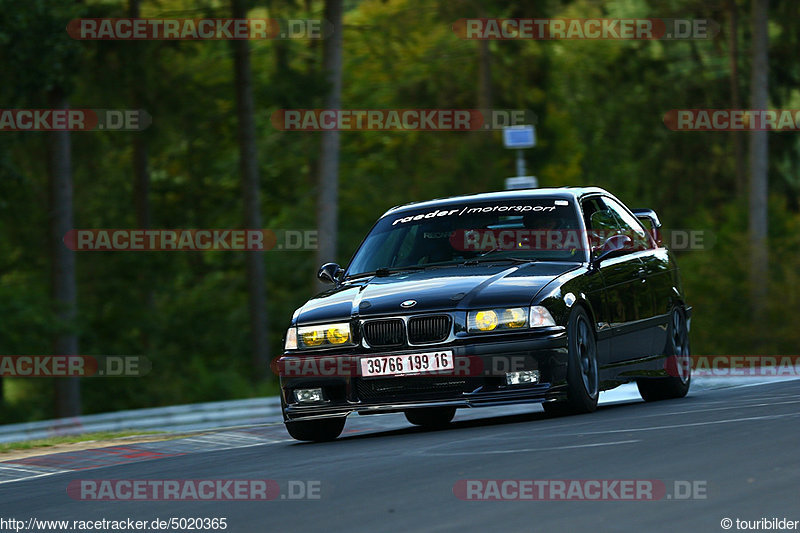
(630, 226)
(601, 222)
(587, 208)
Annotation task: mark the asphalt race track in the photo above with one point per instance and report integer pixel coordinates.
(735, 445)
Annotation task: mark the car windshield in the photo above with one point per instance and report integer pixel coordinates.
(540, 229)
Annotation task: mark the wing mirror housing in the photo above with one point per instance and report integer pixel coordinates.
(650, 221)
(613, 247)
(330, 273)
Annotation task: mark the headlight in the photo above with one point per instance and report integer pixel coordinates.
(322, 336)
(497, 319)
(512, 318)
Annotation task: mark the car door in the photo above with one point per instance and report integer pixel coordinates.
(627, 300)
(656, 281)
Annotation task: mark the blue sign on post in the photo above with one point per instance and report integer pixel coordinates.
(519, 137)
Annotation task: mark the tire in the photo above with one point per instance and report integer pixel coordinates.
(316, 430)
(655, 389)
(583, 381)
(431, 417)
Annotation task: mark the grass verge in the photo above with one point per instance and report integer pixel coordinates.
(6, 447)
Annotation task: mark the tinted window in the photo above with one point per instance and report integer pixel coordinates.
(605, 218)
(630, 225)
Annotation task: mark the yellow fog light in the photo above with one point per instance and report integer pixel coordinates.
(498, 319)
(312, 337)
(516, 317)
(324, 335)
(485, 320)
(337, 335)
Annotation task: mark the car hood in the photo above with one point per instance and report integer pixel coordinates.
(435, 289)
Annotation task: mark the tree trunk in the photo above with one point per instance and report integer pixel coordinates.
(759, 162)
(484, 75)
(736, 101)
(65, 294)
(141, 177)
(141, 183)
(328, 197)
(248, 166)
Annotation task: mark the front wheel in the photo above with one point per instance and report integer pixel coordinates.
(583, 383)
(677, 347)
(316, 430)
(431, 417)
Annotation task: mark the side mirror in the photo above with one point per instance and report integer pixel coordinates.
(613, 247)
(650, 221)
(329, 273)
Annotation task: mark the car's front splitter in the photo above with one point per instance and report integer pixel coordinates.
(523, 394)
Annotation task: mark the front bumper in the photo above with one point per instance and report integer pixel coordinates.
(482, 384)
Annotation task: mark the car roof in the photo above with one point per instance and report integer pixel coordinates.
(564, 193)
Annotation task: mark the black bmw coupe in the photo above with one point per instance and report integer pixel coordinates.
(543, 296)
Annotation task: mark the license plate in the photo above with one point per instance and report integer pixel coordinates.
(412, 363)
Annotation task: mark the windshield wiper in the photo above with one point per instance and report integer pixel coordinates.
(385, 271)
(483, 258)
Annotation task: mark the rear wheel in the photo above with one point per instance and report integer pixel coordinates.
(583, 383)
(677, 348)
(316, 430)
(431, 417)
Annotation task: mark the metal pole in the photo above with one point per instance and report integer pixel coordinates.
(520, 163)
